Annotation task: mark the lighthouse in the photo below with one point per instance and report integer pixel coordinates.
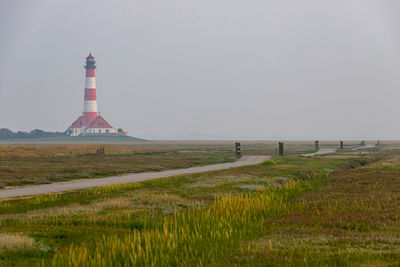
(90, 123)
(90, 100)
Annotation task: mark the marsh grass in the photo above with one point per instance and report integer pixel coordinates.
(176, 221)
(25, 164)
(352, 220)
(198, 236)
(38, 164)
(15, 241)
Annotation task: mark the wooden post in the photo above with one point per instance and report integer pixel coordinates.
(317, 145)
(280, 149)
(237, 149)
(100, 151)
(341, 144)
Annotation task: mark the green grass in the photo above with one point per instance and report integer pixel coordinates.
(351, 220)
(24, 164)
(334, 210)
(38, 164)
(162, 222)
(198, 236)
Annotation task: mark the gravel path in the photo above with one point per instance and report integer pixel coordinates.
(123, 179)
(364, 147)
(321, 151)
(324, 151)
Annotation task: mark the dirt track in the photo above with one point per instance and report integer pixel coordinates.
(365, 147)
(322, 151)
(123, 179)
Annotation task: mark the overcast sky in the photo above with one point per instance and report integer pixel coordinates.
(309, 69)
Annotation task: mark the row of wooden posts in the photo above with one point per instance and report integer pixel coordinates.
(238, 149)
(280, 148)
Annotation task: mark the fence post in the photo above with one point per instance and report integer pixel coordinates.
(317, 145)
(100, 151)
(341, 144)
(237, 149)
(280, 149)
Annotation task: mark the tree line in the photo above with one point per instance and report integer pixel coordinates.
(36, 133)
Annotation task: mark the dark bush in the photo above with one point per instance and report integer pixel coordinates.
(36, 133)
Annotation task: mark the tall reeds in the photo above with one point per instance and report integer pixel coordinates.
(198, 236)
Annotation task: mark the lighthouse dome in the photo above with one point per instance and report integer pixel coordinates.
(90, 62)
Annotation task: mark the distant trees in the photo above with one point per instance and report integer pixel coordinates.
(6, 133)
(36, 133)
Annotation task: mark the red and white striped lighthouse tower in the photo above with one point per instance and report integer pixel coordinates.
(90, 123)
(90, 101)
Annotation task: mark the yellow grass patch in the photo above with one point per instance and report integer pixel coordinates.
(36, 151)
(72, 210)
(15, 241)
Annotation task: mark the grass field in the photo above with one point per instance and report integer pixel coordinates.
(36, 164)
(335, 210)
(340, 209)
(22, 164)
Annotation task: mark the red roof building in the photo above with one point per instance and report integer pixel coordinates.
(99, 126)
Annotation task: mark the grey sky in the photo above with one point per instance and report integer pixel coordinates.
(213, 68)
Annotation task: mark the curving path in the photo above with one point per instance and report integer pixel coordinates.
(364, 147)
(123, 179)
(321, 151)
